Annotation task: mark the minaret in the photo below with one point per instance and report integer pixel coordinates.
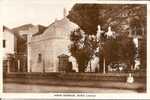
(65, 12)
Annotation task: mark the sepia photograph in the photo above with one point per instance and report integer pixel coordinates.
(22, 99)
(71, 47)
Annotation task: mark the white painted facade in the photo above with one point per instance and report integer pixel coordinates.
(45, 48)
(10, 43)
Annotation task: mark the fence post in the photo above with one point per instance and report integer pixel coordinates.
(104, 67)
(8, 66)
(18, 63)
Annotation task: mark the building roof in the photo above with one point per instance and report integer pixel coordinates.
(63, 56)
(22, 28)
(65, 25)
(60, 27)
(5, 28)
(41, 30)
(17, 30)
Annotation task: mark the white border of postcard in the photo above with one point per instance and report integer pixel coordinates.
(43, 96)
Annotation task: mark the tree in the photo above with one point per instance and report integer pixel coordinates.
(111, 50)
(81, 49)
(124, 19)
(119, 51)
(120, 16)
(142, 53)
(128, 51)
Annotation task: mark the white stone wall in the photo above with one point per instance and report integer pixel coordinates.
(50, 50)
(52, 43)
(11, 40)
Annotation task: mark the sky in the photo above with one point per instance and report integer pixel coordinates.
(14, 13)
